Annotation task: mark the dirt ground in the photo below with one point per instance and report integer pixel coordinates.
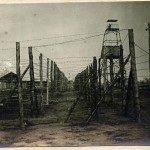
(57, 134)
(50, 130)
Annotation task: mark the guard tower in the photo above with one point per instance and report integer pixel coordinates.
(112, 40)
(112, 52)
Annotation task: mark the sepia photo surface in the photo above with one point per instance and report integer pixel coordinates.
(75, 74)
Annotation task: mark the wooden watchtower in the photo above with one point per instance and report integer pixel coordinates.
(112, 52)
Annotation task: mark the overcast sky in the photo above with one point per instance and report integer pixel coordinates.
(22, 22)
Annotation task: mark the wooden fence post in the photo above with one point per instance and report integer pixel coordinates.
(21, 114)
(104, 73)
(41, 81)
(129, 93)
(87, 84)
(47, 96)
(90, 83)
(99, 76)
(55, 77)
(58, 79)
(149, 45)
(84, 81)
(111, 78)
(61, 84)
(94, 85)
(80, 83)
(32, 83)
(121, 61)
(134, 74)
(52, 75)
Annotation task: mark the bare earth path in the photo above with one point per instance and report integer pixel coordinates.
(51, 131)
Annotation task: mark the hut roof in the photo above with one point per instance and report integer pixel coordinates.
(9, 77)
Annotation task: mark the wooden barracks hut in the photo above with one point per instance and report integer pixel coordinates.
(8, 81)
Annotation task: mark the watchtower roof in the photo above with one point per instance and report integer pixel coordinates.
(112, 20)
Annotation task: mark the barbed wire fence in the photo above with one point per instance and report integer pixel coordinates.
(48, 77)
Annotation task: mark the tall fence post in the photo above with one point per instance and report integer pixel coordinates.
(90, 84)
(83, 83)
(21, 114)
(41, 81)
(47, 96)
(111, 78)
(94, 85)
(58, 79)
(149, 45)
(87, 84)
(32, 83)
(121, 61)
(99, 76)
(134, 74)
(129, 93)
(55, 77)
(61, 82)
(104, 73)
(52, 75)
